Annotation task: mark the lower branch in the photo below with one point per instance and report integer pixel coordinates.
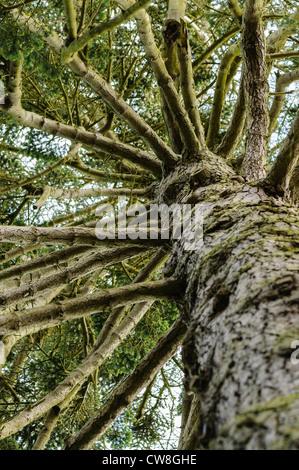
(63, 236)
(32, 320)
(36, 264)
(66, 276)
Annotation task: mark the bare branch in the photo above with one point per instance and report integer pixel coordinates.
(71, 21)
(277, 39)
(98, 175)
(35, 319)
(281, 83)
(74, 380)
(16, 5)
(62, 236)
(74, 193)
(294, 185)
(70, 274)
(282, 55)
(45, 432)
(111, 323)
(64, 277)
(52, 259)
(236, 9)
(187, 85)
(234, 132)
(219, 95)
(118, 313)
(16, 252)
(15, 84)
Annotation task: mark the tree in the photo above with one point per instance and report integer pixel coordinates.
(178, 102)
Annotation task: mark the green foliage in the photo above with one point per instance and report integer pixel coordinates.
(102, 11)
(9, 443)
(16, 41)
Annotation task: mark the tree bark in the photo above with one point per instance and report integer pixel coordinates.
(242, 309)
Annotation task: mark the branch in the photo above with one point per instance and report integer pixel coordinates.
(171, 34)
(37, 264)
(64, 236)
(192, 425)
(46, 192)
(170, 56)
(64, 277)
(286, 161)
(165, 81)
(277, 39)
(71, 21)
(125, 112)
(70, 218)
(118, 313)
(14, 86)
(45, 432)
(176, 10)
(16, 5)
(74, 193)
(73, 151)
(236, 9)
(281, 83)
(98, 175)
(109, 96)
(294, 185)
(232, 72)
(91, 139)
(36, 319)
(256, 90)
(209, 51)
(109, 326)
(188, 86)
(282, 55)
(92, 33)
(16, 252)
(219, 95)
(126, 392)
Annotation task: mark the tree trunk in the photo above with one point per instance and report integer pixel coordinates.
(242, 312)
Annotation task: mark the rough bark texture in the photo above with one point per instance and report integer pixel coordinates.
(242, 304)
(256, 86)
